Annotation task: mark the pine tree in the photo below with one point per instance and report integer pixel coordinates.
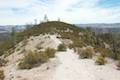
(45, 18)
(13, 36)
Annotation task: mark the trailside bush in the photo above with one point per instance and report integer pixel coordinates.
(24, 65)
(118, 65)
(78, 43)
(103, 52)
(29, 60)
(116, 54)
(100, 60)
(50, 52)
(5, 47)
(32, 59)
(61, 47)
(2, 75)
(85, 53)
(71, 46)
(2, 62)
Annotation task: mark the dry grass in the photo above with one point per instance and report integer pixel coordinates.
(100, 60)
(32, 59)
(2, 75)
(85, 53)
(118, 65)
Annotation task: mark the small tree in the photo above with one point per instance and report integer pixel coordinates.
(13, 36)
(45, 18)
(59, 19)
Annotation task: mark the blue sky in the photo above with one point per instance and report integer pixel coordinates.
(72, 11)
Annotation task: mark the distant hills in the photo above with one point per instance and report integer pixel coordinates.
(8, 28)
(5, 31)
(102, 27)
(96, 27)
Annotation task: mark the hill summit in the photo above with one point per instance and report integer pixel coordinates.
(79, 36)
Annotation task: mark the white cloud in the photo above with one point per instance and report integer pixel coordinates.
(74, 11)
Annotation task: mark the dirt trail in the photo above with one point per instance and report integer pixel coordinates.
(65, 66)
(71, 68)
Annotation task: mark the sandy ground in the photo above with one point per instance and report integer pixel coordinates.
(73, 68)
(43, 41)
(44, 72)
(66, 66)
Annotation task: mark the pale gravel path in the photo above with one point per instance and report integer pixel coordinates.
(66, 66)
(71, 68)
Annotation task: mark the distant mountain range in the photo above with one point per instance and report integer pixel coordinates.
(97, 27)
(102, 28)
(8, 28)
(101, 25)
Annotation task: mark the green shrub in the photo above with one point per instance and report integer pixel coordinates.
(100, 60)
(43, 57)
(71, 46)
(78, 43)
(18, 49)
(77, 49)
(6, 47)
(39, 47)
(24, 65)
(2, 75)
(103, 52)
(116, 54)
(32, 59)
(2, 62)
(61, 47)
(118, 65)
(24, 42)
(87, 53)
(50, 52)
